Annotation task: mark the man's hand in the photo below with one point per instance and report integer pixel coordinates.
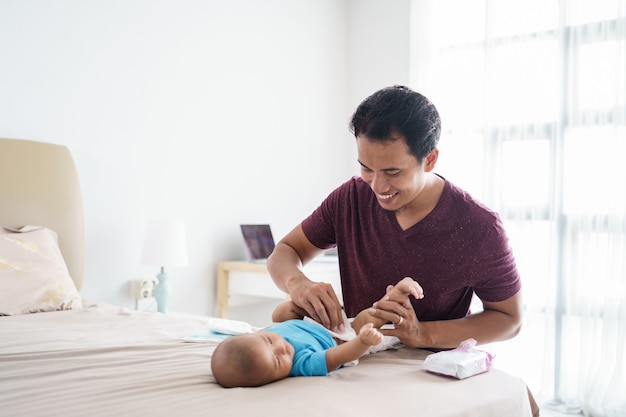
(285, 264)
(399, 292)
(498, 321)
(398, 310)
(319, 301)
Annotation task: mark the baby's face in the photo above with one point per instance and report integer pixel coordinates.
(274, 353)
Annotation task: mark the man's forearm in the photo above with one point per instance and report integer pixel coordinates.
(485, 327)
(284, 265)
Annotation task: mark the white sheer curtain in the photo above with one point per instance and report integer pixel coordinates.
(532, 96)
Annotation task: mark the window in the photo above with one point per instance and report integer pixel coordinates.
(532, 98)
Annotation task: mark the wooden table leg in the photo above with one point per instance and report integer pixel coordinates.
(222, 291)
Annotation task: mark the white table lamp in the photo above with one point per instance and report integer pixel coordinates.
(164, 245)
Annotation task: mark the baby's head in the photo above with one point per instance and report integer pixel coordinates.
(252, 360)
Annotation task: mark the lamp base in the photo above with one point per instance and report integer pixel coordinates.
(162, 293)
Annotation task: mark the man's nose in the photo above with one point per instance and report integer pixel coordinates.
(378, 183)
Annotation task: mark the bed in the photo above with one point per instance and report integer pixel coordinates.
(89, 358)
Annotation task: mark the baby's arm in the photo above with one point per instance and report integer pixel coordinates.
(353, 349)
(407, 286)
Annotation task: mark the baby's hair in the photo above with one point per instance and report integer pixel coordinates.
(233, 364)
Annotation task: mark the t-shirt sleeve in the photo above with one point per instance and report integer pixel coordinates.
(319, 226)
(500, 277)
(310, 363)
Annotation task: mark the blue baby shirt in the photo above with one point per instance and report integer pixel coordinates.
(310, 342)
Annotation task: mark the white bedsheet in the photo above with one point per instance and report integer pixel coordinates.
(108, 361)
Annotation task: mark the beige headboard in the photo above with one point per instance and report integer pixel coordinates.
(39, 186)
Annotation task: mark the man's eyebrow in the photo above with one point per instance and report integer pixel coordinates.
(384, 169)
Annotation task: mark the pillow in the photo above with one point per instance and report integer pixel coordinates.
(33, 274)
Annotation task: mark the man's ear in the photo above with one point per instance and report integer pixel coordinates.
(431, 160)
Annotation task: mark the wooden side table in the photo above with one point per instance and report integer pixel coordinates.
(325, 271)
(223, 276)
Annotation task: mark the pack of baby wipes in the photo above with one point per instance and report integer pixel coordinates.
(462, 362)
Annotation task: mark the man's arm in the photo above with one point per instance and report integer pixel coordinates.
(353, 349)
(498, 321)
(285, 263)
(288, 257)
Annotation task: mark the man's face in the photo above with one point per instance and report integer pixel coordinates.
(396, 176)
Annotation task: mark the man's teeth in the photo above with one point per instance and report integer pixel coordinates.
(385, 196)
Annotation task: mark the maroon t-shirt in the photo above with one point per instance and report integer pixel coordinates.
(457, 249)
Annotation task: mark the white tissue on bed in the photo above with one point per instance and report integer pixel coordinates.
(230, 327)
(219, 329)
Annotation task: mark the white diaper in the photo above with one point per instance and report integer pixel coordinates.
(348, 333)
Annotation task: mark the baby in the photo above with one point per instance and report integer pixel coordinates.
(294, 347)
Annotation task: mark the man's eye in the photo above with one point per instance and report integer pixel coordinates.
(393, 173)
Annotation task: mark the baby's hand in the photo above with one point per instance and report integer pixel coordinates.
(369, 335)
(406, 286)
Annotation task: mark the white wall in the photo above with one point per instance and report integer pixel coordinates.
(378, 46)
(216, 112)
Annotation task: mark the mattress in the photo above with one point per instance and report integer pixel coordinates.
(104, 360)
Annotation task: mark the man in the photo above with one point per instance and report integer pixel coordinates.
(401, 219)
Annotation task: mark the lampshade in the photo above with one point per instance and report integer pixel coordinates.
(165, 243)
